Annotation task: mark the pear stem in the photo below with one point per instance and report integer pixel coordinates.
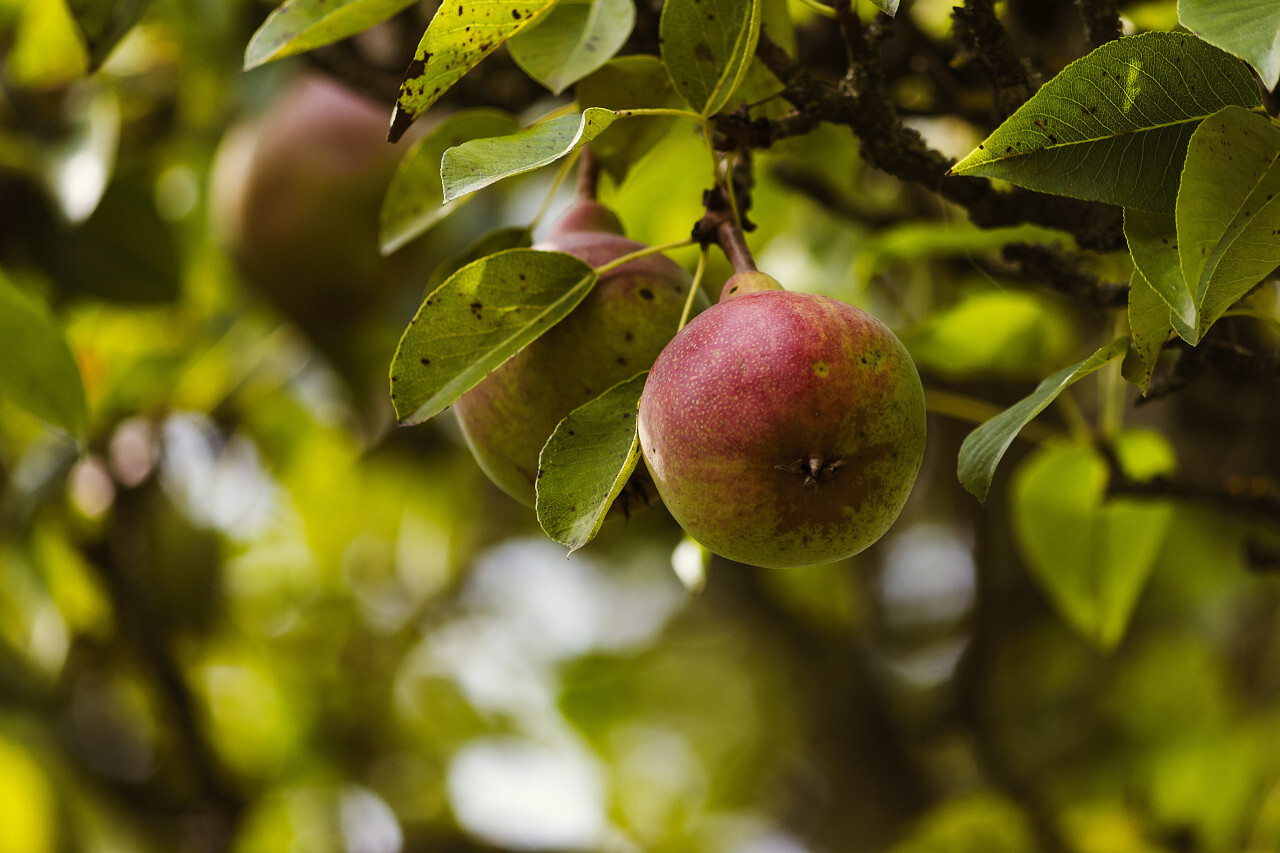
(734, 245)
(640, 253)
(588, 175)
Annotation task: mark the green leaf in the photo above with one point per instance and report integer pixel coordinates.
(104, 22)
(586, 462)
(46, 49)
(1149, 328)
(707, 46)
(572, 40)
(1091, 555)
(629, 82)
(993, 334)
(482, 315)
(302, 25)
(1228, 212)
(1153, 244)
(40, 373)
(1249, 29)
(985, 446)
(889, 7)
(481, 162)
(415, 199)
(1113, 126)
(513, 237)
(458, 37)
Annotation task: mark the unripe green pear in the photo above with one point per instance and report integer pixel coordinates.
(783, 429)
(616, 332)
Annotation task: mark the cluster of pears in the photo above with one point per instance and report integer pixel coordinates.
(779, 428)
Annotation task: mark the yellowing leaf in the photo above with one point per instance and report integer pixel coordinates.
(462, 33)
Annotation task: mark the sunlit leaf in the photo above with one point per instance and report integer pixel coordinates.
(985, 446)
(708, 46)
(301, 25)
(573, 40)
(1228, 210)
(490, 244)
(586, 462)
(1006, 334)
(458, 37)
(1249, 29)
(415, 199)
(1092, 555)
(481, 162)
(482, 315)
(47, 50)
(28, 805)
(1113, 126)
(629, 82)
(40, 373)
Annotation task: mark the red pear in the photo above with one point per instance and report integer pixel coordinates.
(783, 429)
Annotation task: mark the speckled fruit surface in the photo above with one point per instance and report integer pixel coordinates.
(615, 333)
(784, 429)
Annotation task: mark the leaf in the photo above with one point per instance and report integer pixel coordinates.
(481, 162)
(1228, 211)
(301, 25)
(415, 199)
(1149, 328)
(629, 82)
(40, 373)
(572, 40)
(1113, 126)
(1249, 29)
(104, 22)
(1153, 244)
(993, 334)
(461, 33)
(513, 237)
(707, 46)
(586, 462)
(482, 315)
(1090, 554)
(985, 446)
(45, 49)
(889, 7)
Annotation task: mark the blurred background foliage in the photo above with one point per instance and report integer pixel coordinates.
(248, 614)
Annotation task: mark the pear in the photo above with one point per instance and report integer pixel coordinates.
(783, 429)
(616, 332)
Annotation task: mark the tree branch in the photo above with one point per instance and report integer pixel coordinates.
(977, 25)
(861, 104)
(1065, 274)
(1101, 20)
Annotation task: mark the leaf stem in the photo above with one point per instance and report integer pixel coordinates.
(967, 409)
(1112, 388)
(561, 174)
(1257, 315)
(1074, 415)
(693, 288)
(818, 8)
(642, 253)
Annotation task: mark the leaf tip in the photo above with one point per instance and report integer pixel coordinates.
(401, 120)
